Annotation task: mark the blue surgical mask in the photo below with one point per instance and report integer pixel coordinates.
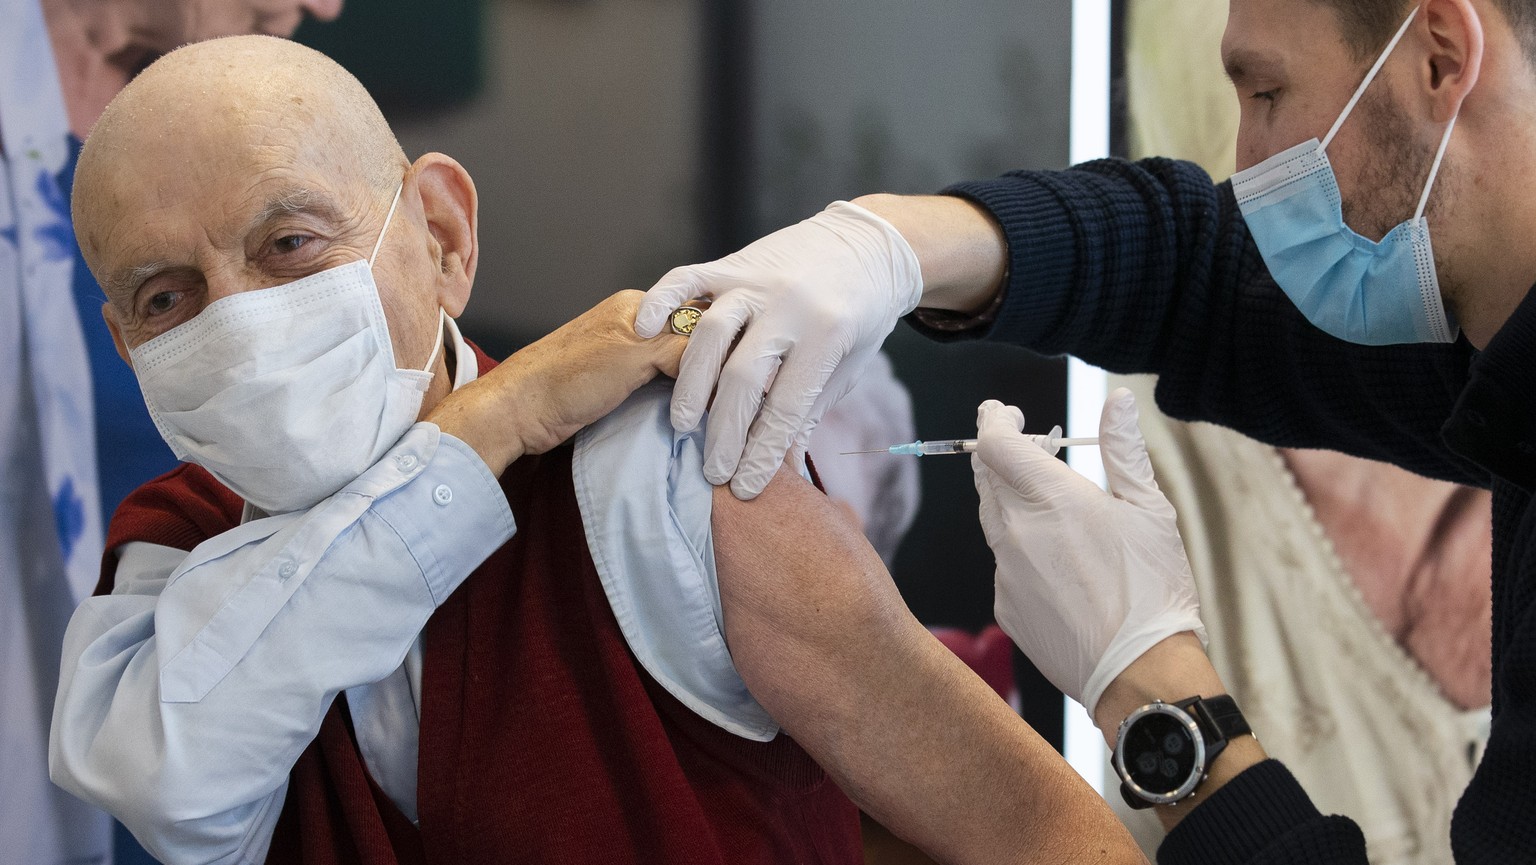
(1363, 291)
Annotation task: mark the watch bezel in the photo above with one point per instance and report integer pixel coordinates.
(1197, 770)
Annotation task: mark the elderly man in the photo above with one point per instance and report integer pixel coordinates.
(388, 616)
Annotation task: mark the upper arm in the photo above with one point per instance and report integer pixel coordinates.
(798, 582)
(822, 637)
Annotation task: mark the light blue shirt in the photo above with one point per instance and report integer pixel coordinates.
(188, 693)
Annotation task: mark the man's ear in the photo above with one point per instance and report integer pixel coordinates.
(1452, 33)
(109, 315)
(451, 208)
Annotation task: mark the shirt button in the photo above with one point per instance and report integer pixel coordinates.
(287, 570)
(442, 495)
(406, 462)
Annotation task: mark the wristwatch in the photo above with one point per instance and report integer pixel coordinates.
(1164, 750)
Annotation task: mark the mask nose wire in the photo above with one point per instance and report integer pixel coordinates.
(1369, 77)
(387, 218)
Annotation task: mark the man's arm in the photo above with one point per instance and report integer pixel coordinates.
(1148, 267)
(822, 638)
(1094, 585)
(186, 695)
(1135, 267)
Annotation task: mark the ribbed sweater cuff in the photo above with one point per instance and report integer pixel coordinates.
(1262, 816)
(1042, 257)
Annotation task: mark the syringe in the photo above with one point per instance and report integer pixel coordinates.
(1053, 439)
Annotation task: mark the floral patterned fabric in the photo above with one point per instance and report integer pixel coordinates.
(50, 515)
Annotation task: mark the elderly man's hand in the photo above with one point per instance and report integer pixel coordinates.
(542, 395)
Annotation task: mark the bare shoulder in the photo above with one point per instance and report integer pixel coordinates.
(791, 520)
(793, 560)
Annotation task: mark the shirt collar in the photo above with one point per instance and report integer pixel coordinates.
(465, 367)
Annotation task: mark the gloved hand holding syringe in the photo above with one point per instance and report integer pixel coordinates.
(1052, 442)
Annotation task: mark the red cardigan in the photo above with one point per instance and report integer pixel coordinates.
(542, 740)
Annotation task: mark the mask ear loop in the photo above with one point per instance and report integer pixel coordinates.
(1369, 77)
(1434, 170)
(387, 218)
(442, 313)
(442, 325)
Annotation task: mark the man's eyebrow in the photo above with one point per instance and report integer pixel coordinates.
(121, 285)
(294, 199)
(1243, 64)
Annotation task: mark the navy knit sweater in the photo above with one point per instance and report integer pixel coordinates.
(1148, 267)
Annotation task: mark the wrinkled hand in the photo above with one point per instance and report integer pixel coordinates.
(543, 394)
(816, 300)
(1087, 581)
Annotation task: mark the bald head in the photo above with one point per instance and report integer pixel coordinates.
(241, 108)
(245, 163)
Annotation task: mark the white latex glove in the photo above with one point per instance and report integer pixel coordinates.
(1086, 580)
(820, 296)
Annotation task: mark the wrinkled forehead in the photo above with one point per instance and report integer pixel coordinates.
(199, 167)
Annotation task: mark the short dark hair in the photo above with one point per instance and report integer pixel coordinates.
(1368, 24)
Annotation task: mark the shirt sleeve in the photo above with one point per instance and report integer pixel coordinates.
(186, 695)
(646, 510)
(1148, 267)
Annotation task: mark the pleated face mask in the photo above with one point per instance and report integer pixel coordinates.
(285, 394)
(1357, 289)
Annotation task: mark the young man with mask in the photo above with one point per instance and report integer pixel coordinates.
(1367, 339)
(388, 615)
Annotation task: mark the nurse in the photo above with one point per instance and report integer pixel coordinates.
(1363, 286)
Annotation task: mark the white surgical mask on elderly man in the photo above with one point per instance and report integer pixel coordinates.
(285, 394)
(1349, 286)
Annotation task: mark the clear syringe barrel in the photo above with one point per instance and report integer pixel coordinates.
(948, 446)
(1051, 441)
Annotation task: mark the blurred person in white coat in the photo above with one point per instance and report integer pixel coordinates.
(60, 63)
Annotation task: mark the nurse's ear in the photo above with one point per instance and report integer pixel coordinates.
(1451, 34)
(451, 207)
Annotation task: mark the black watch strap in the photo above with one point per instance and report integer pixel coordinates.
(1218, 717)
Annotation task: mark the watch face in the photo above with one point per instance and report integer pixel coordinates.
(1159, 753)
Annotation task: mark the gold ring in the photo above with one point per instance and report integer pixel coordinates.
(685, 318)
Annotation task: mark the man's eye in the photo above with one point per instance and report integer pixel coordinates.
(291, 242)
(162, 302)
(1266, 95)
